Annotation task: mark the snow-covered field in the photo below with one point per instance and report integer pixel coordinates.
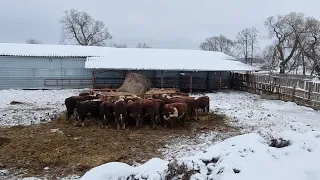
(260, 119)
(244, 157)
(39, 105)
(265, 117)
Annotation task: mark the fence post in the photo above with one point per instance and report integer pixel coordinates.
(255, 83)
(190, 82)
(93, 80)
(309, 93)
(293, 93)
(220, 81)
(278, 91)
(161, 79)
(208, 82)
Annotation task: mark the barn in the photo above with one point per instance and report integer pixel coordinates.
(43, 66)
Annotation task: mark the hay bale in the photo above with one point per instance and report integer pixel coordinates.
(135, 83)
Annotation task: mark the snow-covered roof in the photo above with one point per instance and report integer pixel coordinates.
(132, 58)
(49, 50)
(166, 59)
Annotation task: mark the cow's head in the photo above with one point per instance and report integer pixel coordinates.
(171, 112)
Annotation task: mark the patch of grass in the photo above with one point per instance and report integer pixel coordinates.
(74, 150)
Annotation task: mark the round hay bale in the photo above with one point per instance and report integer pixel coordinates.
(135, 83)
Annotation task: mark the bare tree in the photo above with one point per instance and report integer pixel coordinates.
(118, 45)
(81, 28)
(287, 30)
(218, 43)
(242, 40)
(270, 57)
(32, 41)
(253, 41)
(143, 45)
(310, 43)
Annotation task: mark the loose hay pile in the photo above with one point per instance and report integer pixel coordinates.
(67, 150)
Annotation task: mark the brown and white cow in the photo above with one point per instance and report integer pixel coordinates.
(149, 108)
(106, 112)
(120, 112)
(134, 109)
(160, 105)
(174, 112)
(71, 102)
(164, 97)
(203, 103)
(192, 105)
(85, 107)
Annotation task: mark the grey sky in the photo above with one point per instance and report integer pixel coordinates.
(160, 23)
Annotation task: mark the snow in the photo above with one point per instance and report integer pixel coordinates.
(153, 170)
(316, 80)
(144, 58)
(39, 106)
(244, 157)
(168, 59)
(265, 117)
(50, 50)
(259, 121)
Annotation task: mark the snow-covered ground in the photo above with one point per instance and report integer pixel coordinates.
(260, 119)
(39, 105)
(244, 157)
(266, 117)
(251, 114)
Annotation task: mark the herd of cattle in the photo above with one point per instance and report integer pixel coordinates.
(161, 109)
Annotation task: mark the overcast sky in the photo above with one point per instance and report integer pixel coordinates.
(160, 23)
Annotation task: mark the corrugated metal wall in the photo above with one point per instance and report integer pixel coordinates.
(52, 73)
(43, 73)
(201, 81)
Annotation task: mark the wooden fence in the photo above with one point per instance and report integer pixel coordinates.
(302, 92)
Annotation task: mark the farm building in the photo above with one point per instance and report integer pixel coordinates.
(38, 66)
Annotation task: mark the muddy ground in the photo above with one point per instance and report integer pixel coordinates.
(66, 149)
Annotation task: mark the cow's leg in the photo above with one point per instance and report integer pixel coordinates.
(123, 121)
(141, 120)
(171, 121)
(104, 120)
(182, 119)
(196, 115)
(153, 118)
(117, 122)
(160, 119)
(77, 119)
(82, 119)
(68, 115)
(107, 120)
(137, 119)
(190, 113)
